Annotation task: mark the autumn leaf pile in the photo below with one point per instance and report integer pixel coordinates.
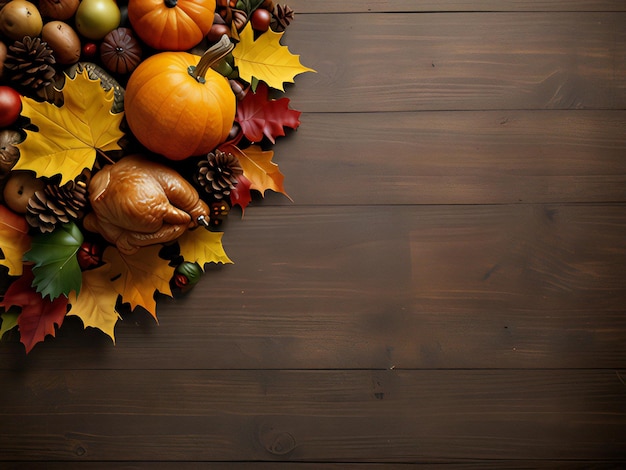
(70, 271)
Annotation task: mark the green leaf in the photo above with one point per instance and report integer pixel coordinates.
(9, 320)
(56, 268)
(254, 83)
(249, 6)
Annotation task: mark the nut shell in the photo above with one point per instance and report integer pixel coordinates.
(58, 9)
(20, 187)
(63, 41)
(9, 153)
(120, 51)
(20, 18)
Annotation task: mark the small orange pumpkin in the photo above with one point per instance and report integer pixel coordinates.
(173, 25)
(177, 106)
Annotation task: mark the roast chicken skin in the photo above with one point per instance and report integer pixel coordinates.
(137, 202)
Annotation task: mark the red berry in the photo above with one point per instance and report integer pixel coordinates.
(10, 105)
(88, 255)
(260, 20)
(89, 50)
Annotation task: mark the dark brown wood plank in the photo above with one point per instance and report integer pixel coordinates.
(519, 286)
(352, 416)
(332, 6)
(409, 62)
(464, 465)
(456, 158)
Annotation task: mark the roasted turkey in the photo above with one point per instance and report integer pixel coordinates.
(137, 202)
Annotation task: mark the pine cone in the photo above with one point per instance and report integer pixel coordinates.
(57, 204)
(30, 63)
(240, 19)
(223, 9)
(217, 175)
(283, 15)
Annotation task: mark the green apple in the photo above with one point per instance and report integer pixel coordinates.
(96, 18)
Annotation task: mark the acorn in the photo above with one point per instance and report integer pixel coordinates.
(186, 276)
(260, 20)
(217, 31)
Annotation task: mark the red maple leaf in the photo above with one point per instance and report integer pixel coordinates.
(258, 115)
(240, 196)
(39, 316)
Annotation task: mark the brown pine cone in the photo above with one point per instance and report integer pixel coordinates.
(240, 19)
(30, 63)
(217, 175)
(283, 16)
(57, 204)
(223, 9)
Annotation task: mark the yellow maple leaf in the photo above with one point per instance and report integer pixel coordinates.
(258, 168)
(137, 277)
(69, 135)
(266, 59)
(203, 246)
(95, 305)
(14, 240)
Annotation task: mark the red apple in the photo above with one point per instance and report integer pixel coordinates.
(10, 105)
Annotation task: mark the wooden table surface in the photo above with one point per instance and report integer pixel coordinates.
(446, 290)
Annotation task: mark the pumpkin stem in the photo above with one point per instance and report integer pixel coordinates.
(170, 3)
(213, 54)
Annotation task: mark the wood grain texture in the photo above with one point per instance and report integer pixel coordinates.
(445, 157)
(384, 416)
(411, 62)
(382, 6)
(256, 465)
(390, 286)
(446, 291)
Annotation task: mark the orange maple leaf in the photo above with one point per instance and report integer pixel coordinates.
(95, 305)
(14, 240)
(137, 277)
(258, 168)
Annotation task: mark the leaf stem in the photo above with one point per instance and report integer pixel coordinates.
(105, 156)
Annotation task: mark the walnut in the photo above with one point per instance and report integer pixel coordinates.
(9, 153)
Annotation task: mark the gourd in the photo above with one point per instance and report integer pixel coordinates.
(173, 25)
(179, 107)
(120, 52)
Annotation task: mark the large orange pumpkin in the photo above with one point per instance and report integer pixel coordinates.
(174, 25)
(177, 106)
